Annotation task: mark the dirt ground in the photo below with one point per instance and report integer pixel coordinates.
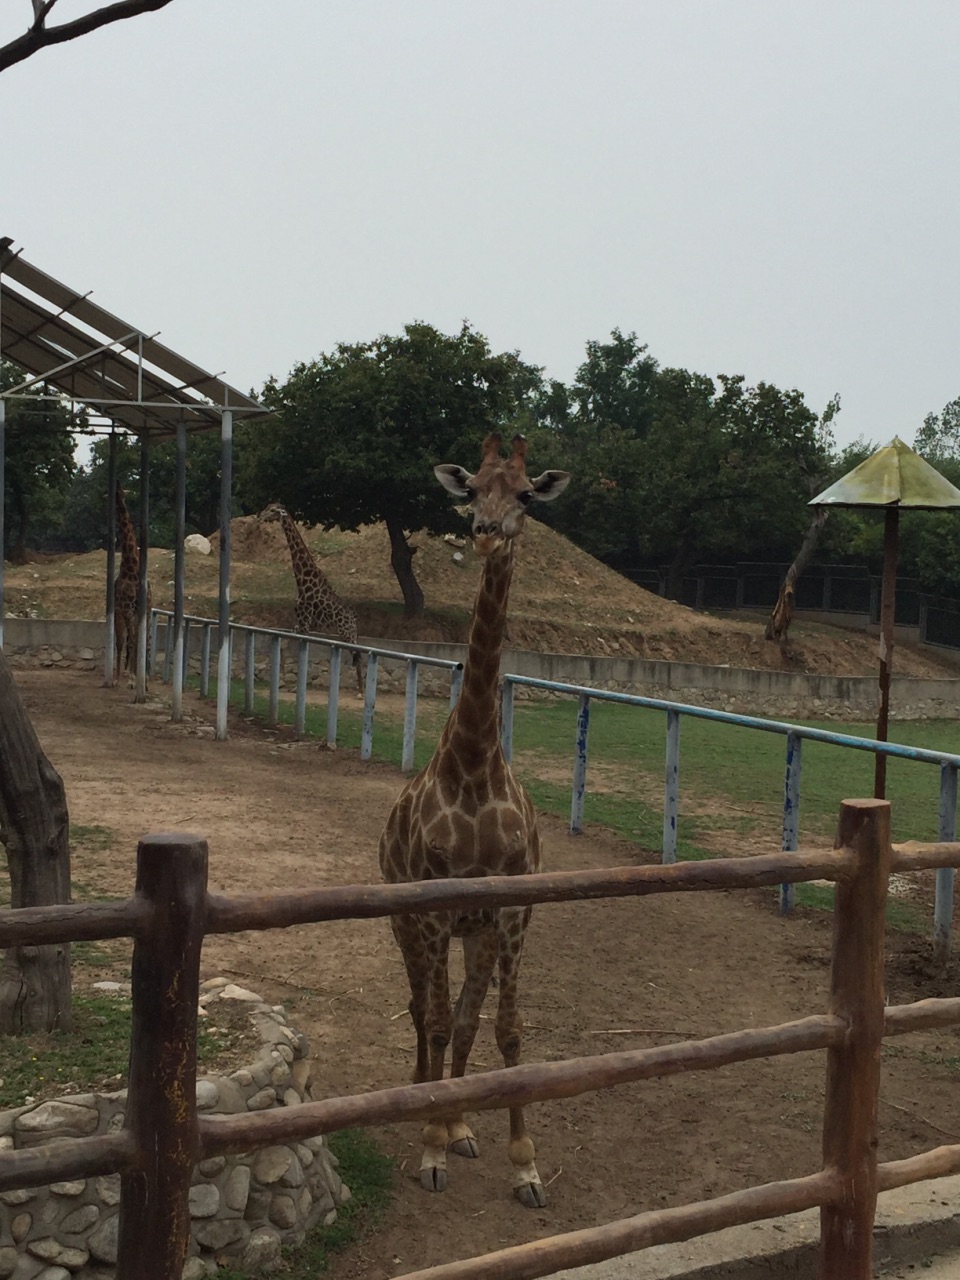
(596, 977)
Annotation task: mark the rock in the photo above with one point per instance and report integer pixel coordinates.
(210, 1168)
(218, 1234)
(19, 1227)
(8, 1260)
(208, 1095)
(16, 1197)
(103, 1239)
(80, 1220)
(194, 1269)
(204, 1200)
(197, 544)
(271, 1164)
(57, 1120)
(263, 1250)
(262, 1100)
(232, 1100)
(293, 1177)
(283, 1212)
(108, 1188)
(68, 1188)
(236, 1189)
(291, 1098)
(232, 992)
(48, 1249)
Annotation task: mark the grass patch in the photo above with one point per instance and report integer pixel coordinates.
(371, 1177)
(94, 1056)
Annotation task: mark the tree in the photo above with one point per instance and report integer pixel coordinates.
(359, 431)
(40, 36)
(39, 462)
(35, 981)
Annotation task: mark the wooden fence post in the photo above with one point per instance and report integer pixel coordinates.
(853, 1069)
(161, 1100)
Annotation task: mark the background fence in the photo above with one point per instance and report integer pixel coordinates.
(163, 1136)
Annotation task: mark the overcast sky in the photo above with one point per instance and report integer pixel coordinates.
(762, 187)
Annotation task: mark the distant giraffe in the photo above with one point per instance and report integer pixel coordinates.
(466, 814)
(319, 610)
(126, 617)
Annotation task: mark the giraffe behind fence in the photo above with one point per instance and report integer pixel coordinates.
(126, 594)
(466, 815)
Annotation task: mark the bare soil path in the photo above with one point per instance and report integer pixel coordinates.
(596, 977)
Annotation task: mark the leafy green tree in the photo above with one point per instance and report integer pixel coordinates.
(359, 430)
(39, 463)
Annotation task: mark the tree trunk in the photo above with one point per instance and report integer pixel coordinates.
(778, 624)
(34, 981)
(401, 560)
(681, 562)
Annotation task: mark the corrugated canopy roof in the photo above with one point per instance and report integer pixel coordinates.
(96, 359)
(893, 476)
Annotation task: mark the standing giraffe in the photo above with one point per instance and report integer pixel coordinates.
(466, 815)
(126, 615)
(319, 611)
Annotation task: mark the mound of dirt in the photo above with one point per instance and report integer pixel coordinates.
(562, 601)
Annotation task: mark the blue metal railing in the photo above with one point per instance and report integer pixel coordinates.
(304, 644)
(795, 735)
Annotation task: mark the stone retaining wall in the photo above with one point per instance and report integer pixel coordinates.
(243, 1209)
(760, 692)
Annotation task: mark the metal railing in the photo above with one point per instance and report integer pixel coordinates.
(795, 735)
(275, 639)
(163, 1137)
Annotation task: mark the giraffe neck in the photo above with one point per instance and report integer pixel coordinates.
(129, 547)
(473, 731)
(305, 568)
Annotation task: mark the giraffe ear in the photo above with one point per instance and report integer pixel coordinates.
(550, 485)
(455, 479)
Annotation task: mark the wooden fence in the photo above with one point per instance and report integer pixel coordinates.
(164, 1137)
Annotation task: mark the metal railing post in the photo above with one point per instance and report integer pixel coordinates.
(205, 661)
(943, 903)
(790, 842)
(333, 695)
(410, 717)
(303, 664)
(671, 788)
(369, 707)
(456, 684)
(168, 643)
(152, 647)
(580, 765)
(161, 1113)
(273, 711)
(250, 671)
(853, 1068)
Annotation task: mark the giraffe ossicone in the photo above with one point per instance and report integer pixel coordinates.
(319, 610)
(464, 815)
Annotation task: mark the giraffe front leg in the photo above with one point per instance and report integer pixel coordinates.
(433, 1162)
(527, 1186)
(479, 958)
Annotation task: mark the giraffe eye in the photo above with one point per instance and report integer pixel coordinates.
(525, 497)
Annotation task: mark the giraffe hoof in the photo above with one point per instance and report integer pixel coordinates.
(469, 1147)
(433, 1178)
(531, 1194)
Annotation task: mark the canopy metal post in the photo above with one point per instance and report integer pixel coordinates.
(143, 620)
(3, 540)
(110, 639)
(887, 611)
(178, 572)
(226, 485)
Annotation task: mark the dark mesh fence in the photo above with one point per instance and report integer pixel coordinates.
(942, 623)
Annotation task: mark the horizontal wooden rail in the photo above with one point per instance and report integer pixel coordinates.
(73, 922)
(67, 1158)
(915, 855)
(938, 1163)
(363, 901)
(514, 1086)
(660, 1226)
(923, 1015)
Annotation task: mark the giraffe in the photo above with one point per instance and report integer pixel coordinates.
(465, 814)
(126, 615)
(319, 611)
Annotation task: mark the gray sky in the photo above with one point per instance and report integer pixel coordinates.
(762, 187)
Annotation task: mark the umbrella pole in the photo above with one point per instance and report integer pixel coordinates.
(887, 612)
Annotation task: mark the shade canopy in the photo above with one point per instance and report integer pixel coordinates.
(62, 338)
(894, 476)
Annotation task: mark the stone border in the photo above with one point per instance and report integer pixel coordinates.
(243, 1209)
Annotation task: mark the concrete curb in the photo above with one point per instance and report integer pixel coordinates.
(916, 1227)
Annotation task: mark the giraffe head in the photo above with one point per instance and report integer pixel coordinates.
(500, 492)
(275, 511)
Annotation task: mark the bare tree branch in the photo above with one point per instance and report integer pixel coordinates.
(39, 35)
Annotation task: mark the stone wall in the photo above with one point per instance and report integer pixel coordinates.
(243, 1209)
(774, 694)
